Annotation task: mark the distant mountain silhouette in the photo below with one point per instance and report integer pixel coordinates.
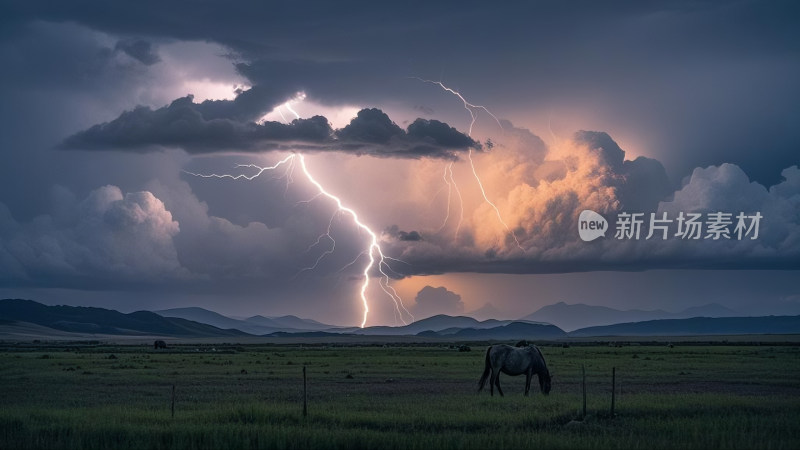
(312, 334)
(709, 310)
(487, 311)
(698, 326)
(79, 319)
(26, 314)
(289, 322)
(212, 318)
(439, 323)
(258, 325)
(513, 330)
(574, 316)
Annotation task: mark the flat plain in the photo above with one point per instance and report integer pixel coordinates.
(92, 395)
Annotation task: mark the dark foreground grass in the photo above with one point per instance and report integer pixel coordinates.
(101, 397)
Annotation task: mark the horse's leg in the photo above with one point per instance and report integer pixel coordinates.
(491, 382)
(527, 382)
(497, 382)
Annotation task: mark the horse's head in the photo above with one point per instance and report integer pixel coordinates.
(544, 382)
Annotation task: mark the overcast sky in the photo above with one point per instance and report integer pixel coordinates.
(114, 114)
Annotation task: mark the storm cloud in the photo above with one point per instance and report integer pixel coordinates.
(685, 107)
(215, 126)
(106, 237)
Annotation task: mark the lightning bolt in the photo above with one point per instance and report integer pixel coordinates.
(473, 110)
(449, 194)
(496, 210)
(375, 254)
(297, 98)
(261, 170)
(377, 260)
(280, 111)
(451, 184)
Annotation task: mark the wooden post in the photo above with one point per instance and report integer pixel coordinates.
(583, 370)
(305, 394)
(613, 388)
(172, 406)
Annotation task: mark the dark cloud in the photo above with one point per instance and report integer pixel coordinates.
(431, 301)
(184, 124)
(409, 236)
(702, 82)
(640, 183)
(646, 183)
(371, 126)
(693, 84)
(140, 50)
(439, 134)
(602, 144)
(225, 125)
(395, 232)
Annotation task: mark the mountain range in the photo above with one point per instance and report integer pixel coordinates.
(258, 325)
(697, 326)
(88, 320)
(571, 317)
(198, 322)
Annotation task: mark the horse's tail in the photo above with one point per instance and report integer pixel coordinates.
(487, 368)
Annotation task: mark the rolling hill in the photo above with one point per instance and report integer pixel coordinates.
(257, 325)
(439, 323)
(36, 318)
(574, 316)
(512, 331)
(79, 319)
(697, 326)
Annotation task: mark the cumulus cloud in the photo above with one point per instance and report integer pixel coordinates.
(541, 198)
(431, 301)
(726, 188)
(107, 235)
(229, 125)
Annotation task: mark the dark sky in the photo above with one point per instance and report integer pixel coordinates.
(109, 108)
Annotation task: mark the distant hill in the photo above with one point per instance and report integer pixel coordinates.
(212, 318)
(312, 334)
(258, 325)
(698, 326)
(574, 316)
(26, 317)
(218, 320)
(513, 331)
(79, 319)
(438, 323)
(289, 322)
(487, 311)
(709, 310)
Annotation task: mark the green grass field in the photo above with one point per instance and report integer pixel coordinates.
(690, 396)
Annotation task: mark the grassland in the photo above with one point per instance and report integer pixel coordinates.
(101, 396)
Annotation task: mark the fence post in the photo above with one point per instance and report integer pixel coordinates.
(613, 388)
(583, 370)
(305, 394)
(172, 406)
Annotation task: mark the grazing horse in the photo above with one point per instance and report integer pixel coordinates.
(515, 361)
